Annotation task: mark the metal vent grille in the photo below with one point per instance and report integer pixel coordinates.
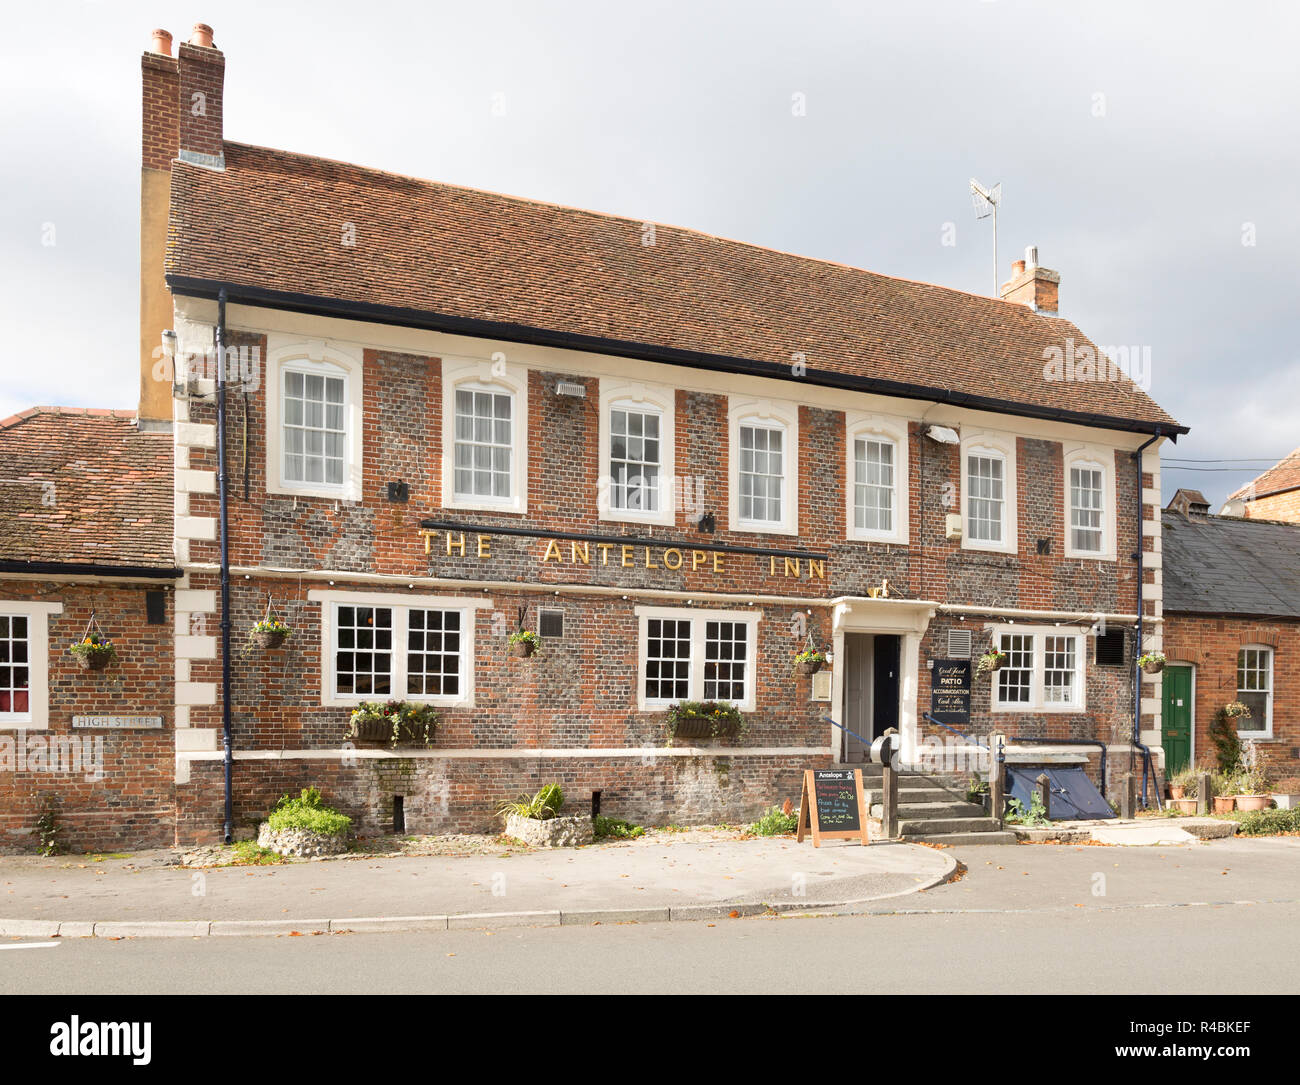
(1110, 648)
(959, 644)
(551, 623)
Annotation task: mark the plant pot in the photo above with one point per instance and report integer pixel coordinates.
(93, 661)
(701, 727)
(1152, 668)
(522, 649)
(809, 667)
(1253, 802)
(267, 640)
(1177, 792)
(1224, 804)
(373, 730)
(1183, 806)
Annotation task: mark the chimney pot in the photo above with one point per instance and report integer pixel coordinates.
(201, 36)
(1017, 268)
(1033, 285)
(1031, 255)
(162, 43)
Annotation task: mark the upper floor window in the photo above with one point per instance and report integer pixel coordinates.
(877, 477)
(1255, 690)
(637, 453)
(762, 474)
(1089, 503)
(635, 464)
(988, 500)
(484, 443)
(484, 435)
(1043, 672)
(313, 418)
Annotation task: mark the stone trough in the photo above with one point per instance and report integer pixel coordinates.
(571, 832)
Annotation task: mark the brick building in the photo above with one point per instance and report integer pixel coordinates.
(1274, 495)
(1232, 633)
(85, 543)
(450, 414)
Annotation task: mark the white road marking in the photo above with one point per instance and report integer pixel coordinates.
(31, 945)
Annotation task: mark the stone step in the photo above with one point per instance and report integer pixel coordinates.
(951, 839)
(916, 794)
(930, 826)
(927, 810)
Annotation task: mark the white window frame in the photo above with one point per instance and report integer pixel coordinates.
(1271, 654)
(646, 398)
(860, 426)
(324, 358)
(770, 414)
(1003, 447)
(485, 376)
(699, 620)
(1100, 459)
(1037, 703)
(37, 716)
(401, 605)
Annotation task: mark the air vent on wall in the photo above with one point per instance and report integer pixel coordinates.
(959, 644)
(551, 623)
(1110, 648)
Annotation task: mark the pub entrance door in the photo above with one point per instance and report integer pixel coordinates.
(871, 689)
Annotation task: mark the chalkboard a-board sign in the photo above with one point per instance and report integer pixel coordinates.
(832, 806)
(950, 691)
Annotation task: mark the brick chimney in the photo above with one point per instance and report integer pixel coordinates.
(180, 119)
(1032, 285)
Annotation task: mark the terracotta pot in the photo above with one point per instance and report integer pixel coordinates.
(1176, 792)
(1224, 804)
(268, 639)
(810, 667)
(522, 649)
(1253, 802)
(1184, 806)
(93, 661)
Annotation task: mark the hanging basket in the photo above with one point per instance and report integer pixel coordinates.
(1153, 668)
(522, 649)
(268, 639)
(809, 667)
(94, 661)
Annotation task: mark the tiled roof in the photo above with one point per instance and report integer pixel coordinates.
(1283, 475)
(84, 487)
(275, 221)
(1228, 565)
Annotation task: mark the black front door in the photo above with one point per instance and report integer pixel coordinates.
(884, 684)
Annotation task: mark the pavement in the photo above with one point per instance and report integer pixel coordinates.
(654, 879)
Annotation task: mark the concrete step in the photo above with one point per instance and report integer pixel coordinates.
(930, 826)
(951, 839)
(928, 810)
(917, 794)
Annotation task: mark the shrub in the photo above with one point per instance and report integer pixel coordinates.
(543, 806)
(1223, 733)
(1268, 822)
(308, 813)
(776, 822)
(616, 828)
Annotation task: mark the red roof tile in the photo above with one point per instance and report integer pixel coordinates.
(274, 221)
(1282, 476)
(83, 486)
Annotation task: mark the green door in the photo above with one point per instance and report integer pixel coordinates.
(1176, 718)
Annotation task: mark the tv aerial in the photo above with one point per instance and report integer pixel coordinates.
(986, 202)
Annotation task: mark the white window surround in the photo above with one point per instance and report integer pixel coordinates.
(490, 376)
(1265, 733)
(328, 358)
(646, 398)
(1003, 447)
(773, 414)
(1037, 704)
(37, 716)
(1103, 460)
(698, 619)
(859, 426)
(400, 605)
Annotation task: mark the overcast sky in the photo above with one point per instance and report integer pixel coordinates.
(1149, 151)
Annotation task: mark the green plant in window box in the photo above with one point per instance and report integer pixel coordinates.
(269, 633)
(991, 661)
(704, 719)
(94, 652)
(524, 643)
(1152, 662)
(393, 722)
(809, 661)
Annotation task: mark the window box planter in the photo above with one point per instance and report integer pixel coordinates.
(394, 723)
(704, 719)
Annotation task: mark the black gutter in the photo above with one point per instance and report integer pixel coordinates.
(315, 305)
(75, 568)
(1137, 671)
(227, 759)
(618, 540)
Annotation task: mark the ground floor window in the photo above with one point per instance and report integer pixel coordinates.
(24, 664)
(15, 667)
(696, 655)
(1255, 691)
(1043, 671)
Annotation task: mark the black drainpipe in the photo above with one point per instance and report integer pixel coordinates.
(227, 759)
(1137, 649)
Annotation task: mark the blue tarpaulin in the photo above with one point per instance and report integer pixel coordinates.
(1074, 796)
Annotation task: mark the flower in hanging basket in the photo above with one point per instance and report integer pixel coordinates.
(94, 652)
(1152, 662)
(992, 660)
(270, 632)
(809, 661)
(524, 643)
(1236, 710)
